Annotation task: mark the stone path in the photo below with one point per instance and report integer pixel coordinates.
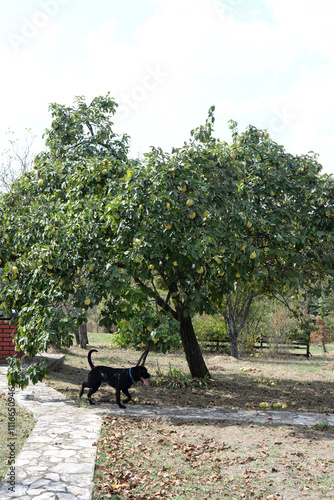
(57, 460)
(187, 413)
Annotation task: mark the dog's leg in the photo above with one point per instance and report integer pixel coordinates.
(84, 385)
(118, 399)
(128, 395)
(91, 392)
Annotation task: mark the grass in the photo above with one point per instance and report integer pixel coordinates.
(24, 423)
(175, 378)
(323, 425)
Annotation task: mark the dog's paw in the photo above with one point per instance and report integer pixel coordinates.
(122, 407)
(92, 402)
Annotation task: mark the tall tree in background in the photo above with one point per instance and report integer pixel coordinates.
(235, 307)
(16, 160)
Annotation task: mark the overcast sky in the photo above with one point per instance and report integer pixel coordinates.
(269, 63)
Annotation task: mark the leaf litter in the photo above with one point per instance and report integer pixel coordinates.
(255, 462)
(162, 458)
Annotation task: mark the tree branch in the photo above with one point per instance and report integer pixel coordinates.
(159, 300)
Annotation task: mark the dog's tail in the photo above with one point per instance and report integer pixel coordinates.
(89, 358)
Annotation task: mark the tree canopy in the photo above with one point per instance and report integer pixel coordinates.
(159, 240)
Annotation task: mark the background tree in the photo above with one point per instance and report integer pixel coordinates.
(235, 308)
(324, 305)
(314, 299)
(171, 235)
(280, 323)
(321, 333)
(17, 159)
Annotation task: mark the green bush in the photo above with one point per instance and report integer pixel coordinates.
(177, 378)
(161, 333)
(248, 339)
(211, 329)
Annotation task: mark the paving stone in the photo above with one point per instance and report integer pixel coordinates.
(78, 491)
(186, 413)
(20, 491)
(56, 452)
(30, 480)
(45, 496)
(52, 477)
(78, 479)
(57, 486)
(42, 483)
(66, 496)
(38, 468)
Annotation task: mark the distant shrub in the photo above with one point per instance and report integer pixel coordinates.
(321, 333)
(161, 335)
(211, 329)
(248, 339)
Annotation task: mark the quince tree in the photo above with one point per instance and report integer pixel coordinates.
(155, 241)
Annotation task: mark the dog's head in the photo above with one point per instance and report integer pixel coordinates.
(140, 373)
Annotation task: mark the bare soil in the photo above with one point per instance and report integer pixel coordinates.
(294, 381)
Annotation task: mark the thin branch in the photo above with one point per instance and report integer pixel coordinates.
(159, 300)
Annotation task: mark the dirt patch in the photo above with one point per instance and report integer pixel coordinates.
(300, 384)
(215, 361)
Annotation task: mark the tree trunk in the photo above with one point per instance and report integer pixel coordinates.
(192, 349)
(233, 334)
(81, 336)
(77, 339)
(323, 342)
(233, 329)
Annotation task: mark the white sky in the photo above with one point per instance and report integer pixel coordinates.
(269, 63)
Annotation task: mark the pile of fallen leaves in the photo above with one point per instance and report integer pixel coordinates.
(152, 459)
(135, 472)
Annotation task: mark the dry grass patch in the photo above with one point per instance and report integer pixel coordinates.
(24, 424)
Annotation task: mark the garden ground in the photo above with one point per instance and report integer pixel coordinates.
(300, 383)
(23, 426)
(162, 458)
(181, 460)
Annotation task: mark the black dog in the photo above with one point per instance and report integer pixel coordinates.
(119, 378)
